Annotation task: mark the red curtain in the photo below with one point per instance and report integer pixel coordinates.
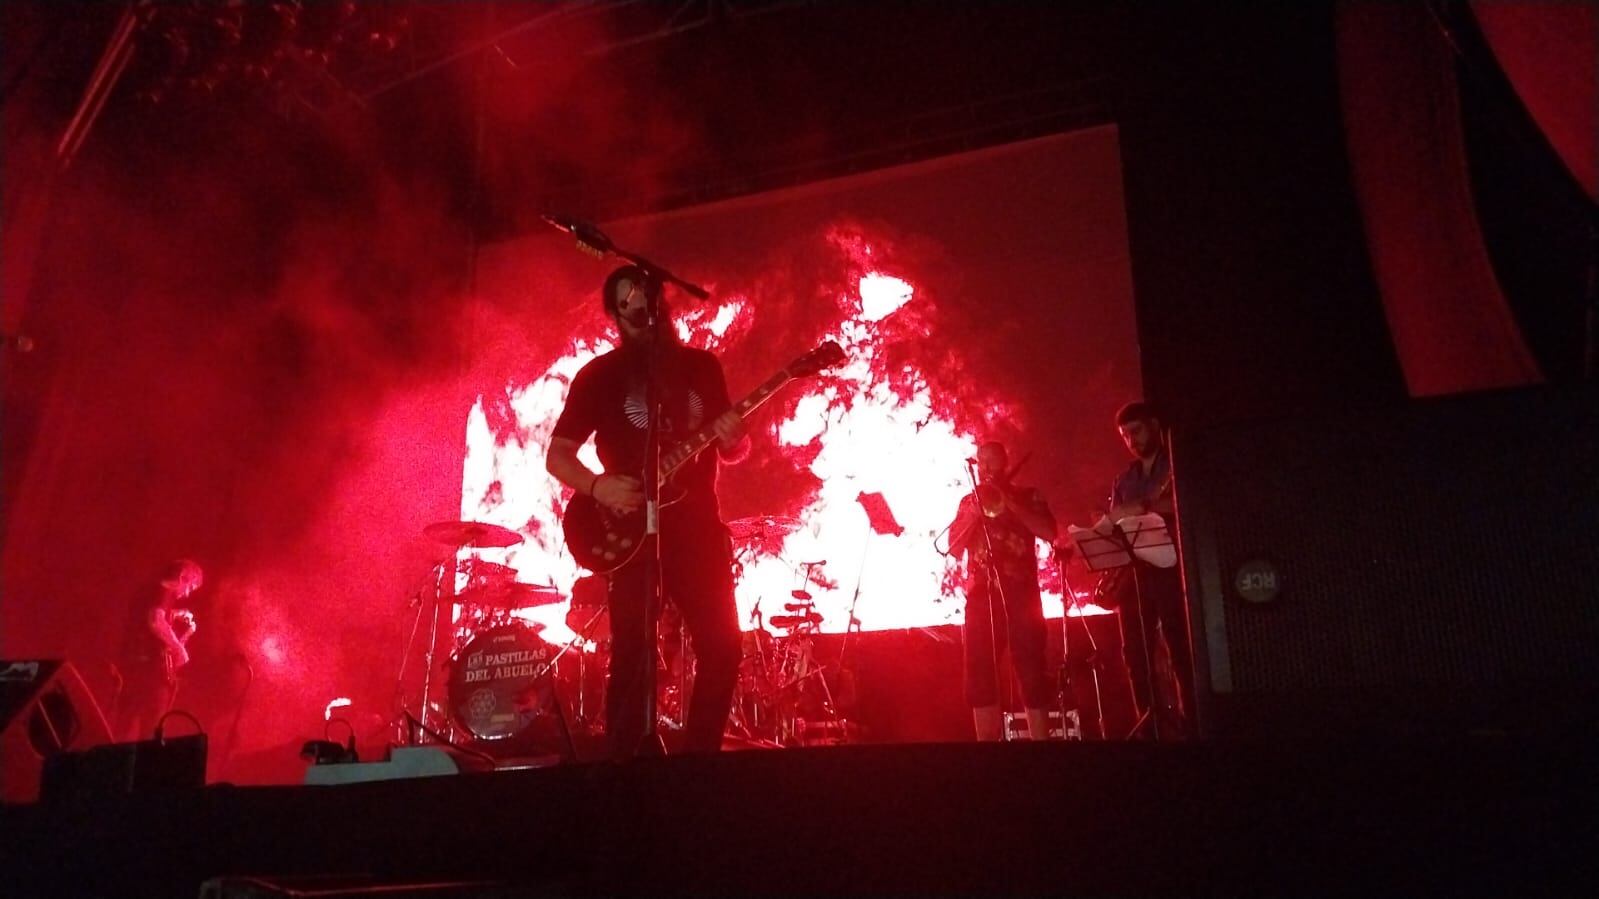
(1451, 325)
(1550, 53)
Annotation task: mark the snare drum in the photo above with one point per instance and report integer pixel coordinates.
(500, 681)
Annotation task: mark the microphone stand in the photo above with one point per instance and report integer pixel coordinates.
(650, 743)
(994, 586)
(594, 241)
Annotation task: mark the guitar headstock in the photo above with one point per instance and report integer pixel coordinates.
(823, 357)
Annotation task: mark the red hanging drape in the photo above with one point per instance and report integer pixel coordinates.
(1452, 327)
(1550, 54)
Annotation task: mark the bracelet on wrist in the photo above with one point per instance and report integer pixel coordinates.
(595, 483)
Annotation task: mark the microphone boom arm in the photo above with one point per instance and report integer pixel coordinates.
(592, 240)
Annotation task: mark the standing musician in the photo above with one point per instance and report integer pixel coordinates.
(995, 529)
(1151, 602)
(607, 400)
(155, 646)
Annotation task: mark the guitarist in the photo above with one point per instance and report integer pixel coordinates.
(607, 401)
(155, 647)
(1151, 602)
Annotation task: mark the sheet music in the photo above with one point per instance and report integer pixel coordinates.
(1150, 538)
(1147, 534)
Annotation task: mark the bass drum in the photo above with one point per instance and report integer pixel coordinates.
(500, 681)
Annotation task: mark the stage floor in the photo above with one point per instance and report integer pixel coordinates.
(1479, 815)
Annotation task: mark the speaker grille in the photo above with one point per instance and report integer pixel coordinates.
(1453, 543)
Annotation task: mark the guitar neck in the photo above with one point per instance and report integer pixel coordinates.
(704, 437)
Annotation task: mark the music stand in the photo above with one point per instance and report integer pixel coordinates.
(879, 520)
(1105, 547)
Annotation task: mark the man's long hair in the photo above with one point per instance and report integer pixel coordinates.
(652, 287)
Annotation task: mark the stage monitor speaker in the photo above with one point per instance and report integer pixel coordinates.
(144, 766)
(45, 709)
(1426, 569)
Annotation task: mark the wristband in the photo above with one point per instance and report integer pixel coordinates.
(595, 483)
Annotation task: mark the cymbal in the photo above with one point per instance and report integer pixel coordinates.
(509, 596)
(762, 526)
(794, 620)
(471, 533)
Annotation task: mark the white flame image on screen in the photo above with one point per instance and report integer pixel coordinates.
(883, 440)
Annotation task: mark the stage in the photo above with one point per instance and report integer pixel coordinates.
(1491, 814)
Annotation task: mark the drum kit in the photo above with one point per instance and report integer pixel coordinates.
(509, 687)
(498, 667)
(783, 697)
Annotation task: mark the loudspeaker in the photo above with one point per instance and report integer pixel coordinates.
(144, 766)
(45, 709)
(1430, 568)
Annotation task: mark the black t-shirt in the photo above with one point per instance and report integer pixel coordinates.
(140, 645)
(607, 401)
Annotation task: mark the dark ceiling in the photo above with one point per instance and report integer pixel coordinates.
(602, 108)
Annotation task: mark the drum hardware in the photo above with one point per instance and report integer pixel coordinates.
(753, 711)
(589, 624)
(763, 527)
(782, 685)
(476, 534)
(424, 597)
(499, 674)
(796, 621)
(481, 572)
(509, 595)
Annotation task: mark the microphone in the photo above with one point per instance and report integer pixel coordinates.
(585, 232)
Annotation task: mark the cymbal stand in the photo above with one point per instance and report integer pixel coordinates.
(798, 661)
(854, 624)
(581, 639)
(678, 704)
(751, 695)
(421, 599)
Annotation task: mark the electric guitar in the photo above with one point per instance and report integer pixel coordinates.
(601, 540)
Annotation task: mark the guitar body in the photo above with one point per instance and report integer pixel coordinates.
(603, 541)
(599, 539)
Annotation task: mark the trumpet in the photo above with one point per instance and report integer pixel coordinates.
(991, 500)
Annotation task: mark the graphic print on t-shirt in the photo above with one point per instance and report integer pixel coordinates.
(690, 409)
